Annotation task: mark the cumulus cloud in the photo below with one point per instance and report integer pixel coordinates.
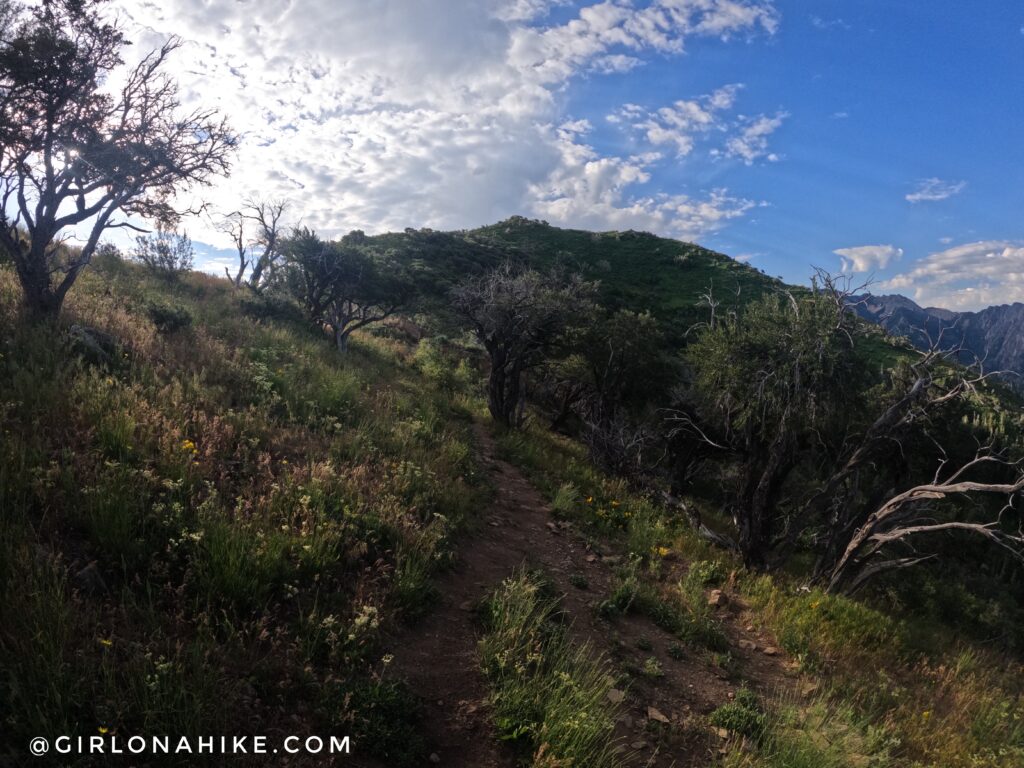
(929, 190)
(683, 122)
(679, 124)
(591, 191)
(966, 277)
(431, 113)
(751, 143)
(865, 258)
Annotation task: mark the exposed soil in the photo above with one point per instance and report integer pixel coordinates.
(438, 656)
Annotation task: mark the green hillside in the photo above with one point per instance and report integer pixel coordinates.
(637, 270)
(211, 521)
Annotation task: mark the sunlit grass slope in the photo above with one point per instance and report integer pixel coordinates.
(207, 516)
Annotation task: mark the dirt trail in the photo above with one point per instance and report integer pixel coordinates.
(438, 656)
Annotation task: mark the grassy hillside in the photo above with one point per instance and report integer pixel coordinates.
(211, 522)
(206, 516)
(636, 270)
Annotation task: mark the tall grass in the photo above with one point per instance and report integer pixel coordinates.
(212, 525)
(548, 692)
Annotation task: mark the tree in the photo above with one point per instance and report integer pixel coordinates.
(74, 154)
(260, 252)
(165, 252)
(782, 387)
(615, 370)
(344, 287)
(518, 315)
(911, 515)
(767, 382)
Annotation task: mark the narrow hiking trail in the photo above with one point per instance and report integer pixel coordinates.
(658, 725)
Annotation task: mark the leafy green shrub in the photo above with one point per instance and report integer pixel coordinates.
(706, 573)
(168, 318)
(743, 715)
(436, 358)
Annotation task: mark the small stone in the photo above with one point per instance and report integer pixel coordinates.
(627, 721)
(434, 758)
(615, 696)
(771, 650)
(611, 559)
(717, 598)
(722, 733)
(468, 605)
(747, 645)
(638, 744)
(809, 689)
(591, 558)
(653, 713)
(552, 527)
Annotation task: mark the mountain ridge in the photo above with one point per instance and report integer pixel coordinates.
(993, 336)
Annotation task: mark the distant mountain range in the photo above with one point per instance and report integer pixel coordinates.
(994, 335)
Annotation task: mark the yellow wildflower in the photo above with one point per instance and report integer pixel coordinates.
(663, 551)
(103, 729)
(105, 642)
(615, 503)
(590, 499)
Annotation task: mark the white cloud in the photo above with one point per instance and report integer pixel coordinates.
(865, 258)
(683, 122)
(430, 113)
(826, 24)
(929, 190)
(590, 191)
(966, 277)
(751, 143)
(554, 54)
(526, 10)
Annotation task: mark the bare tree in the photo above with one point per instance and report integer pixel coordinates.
(857, 482)
(518, 315)
(73, 154)
(259, 252)
(233, 225)
(910, 515)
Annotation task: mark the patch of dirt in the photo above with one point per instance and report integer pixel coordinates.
(660, 724)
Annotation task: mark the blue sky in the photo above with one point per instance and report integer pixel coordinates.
(778, 132)
(880, 96)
